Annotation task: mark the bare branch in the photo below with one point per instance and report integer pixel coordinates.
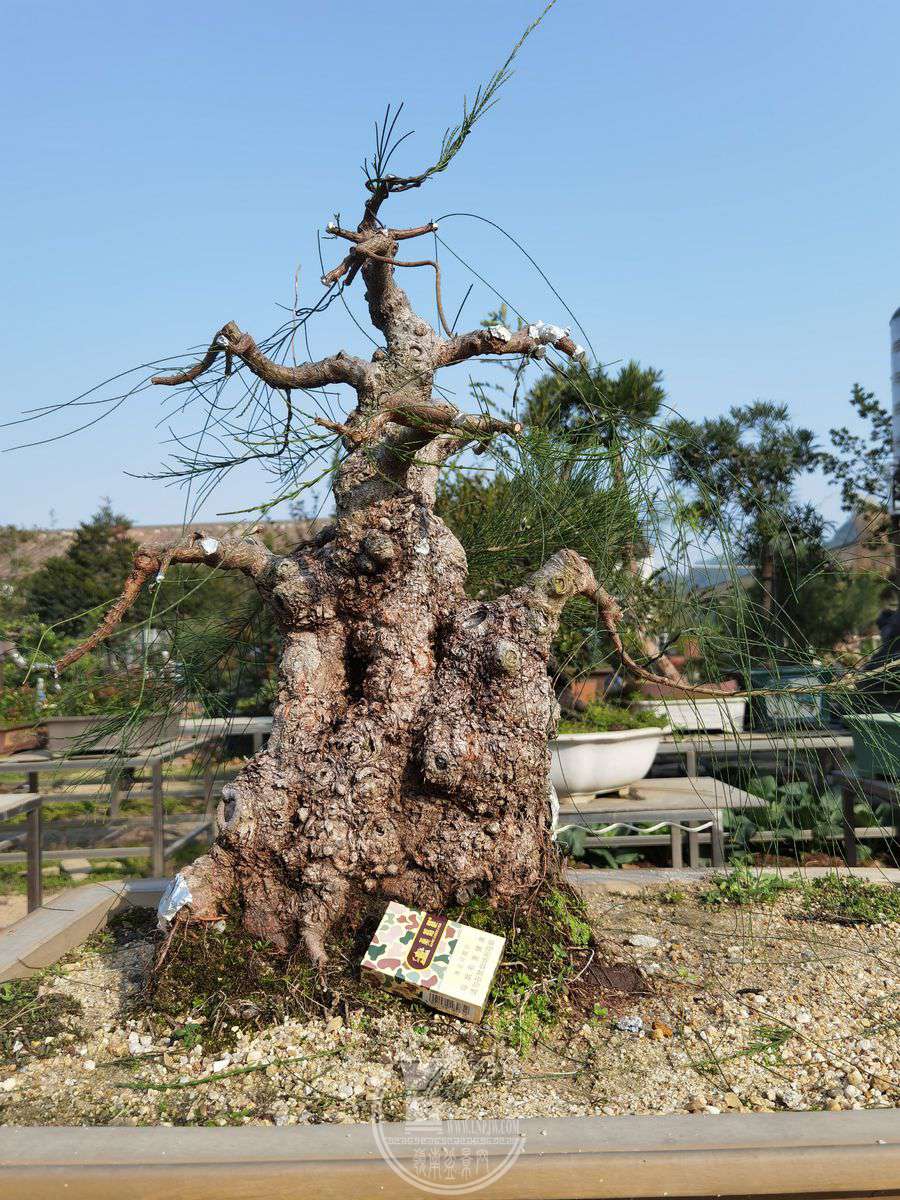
(336, 274)
(531, 340)
(249, 555)
(230, 341)
(401, 235)
(434, 420)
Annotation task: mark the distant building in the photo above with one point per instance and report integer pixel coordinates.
(862, 543)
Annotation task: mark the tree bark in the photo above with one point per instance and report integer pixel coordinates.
(767, 579)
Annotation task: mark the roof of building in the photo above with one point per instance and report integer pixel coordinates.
(706, 575)
(847, 534)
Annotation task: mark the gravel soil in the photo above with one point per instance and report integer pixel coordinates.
(746, 1008)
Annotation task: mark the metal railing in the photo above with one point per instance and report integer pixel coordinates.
(31, 805)
(153, 758)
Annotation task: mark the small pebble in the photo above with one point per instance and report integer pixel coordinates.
(643, 941)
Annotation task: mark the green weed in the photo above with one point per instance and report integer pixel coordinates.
(849, 900)
(29, 1018)
(743, 886)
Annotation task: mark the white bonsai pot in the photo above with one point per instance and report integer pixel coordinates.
(602, 762)
(710, 713)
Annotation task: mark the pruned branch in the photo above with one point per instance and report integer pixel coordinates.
(395, 235)
(230, 341)
(248, 554)
(566, 575)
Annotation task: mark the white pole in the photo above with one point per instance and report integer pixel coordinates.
(895, 482)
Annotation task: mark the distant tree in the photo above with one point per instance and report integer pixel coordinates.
(861, 465)
(565, 496)
(73, 587)
(13, 572)
(817, 601)
(741, 470)
(594, 406)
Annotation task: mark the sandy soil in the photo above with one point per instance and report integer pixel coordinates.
(12, 909)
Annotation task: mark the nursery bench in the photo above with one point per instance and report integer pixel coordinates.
(30, 805)
(852, 787)
(152, 758)
(832, 748)
(695, 805)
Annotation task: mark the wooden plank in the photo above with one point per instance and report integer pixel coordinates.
(143, 758)
(158, 846)
(861, 832)
(14, 806)
(695, 795)
(51, 931)
(618, 841)
(736, 743)
(611, 878)
(34, 880)
(64, 922)
(227, 726)
(16, 858)
(785, 1154)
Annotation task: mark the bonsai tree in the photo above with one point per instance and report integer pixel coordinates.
(408, 758)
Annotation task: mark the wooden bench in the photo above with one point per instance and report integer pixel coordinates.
(695, 806)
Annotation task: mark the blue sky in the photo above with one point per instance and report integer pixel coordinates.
(712, 187)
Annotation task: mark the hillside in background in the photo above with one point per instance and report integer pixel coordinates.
(25, 550)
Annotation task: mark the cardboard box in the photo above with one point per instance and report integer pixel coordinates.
(448, 965)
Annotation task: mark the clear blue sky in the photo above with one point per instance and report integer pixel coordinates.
(713, 187)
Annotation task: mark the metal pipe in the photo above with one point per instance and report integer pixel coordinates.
(895, 403)
(35, 882)
(158, 848)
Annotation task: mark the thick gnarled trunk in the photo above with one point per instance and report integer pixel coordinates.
(408, 757)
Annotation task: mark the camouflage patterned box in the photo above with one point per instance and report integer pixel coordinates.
(448, 965)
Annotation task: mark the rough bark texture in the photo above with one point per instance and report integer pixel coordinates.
(408, 757)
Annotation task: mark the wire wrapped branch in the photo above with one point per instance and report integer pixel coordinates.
(531, 340)
(230, 341)
(248, 554)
